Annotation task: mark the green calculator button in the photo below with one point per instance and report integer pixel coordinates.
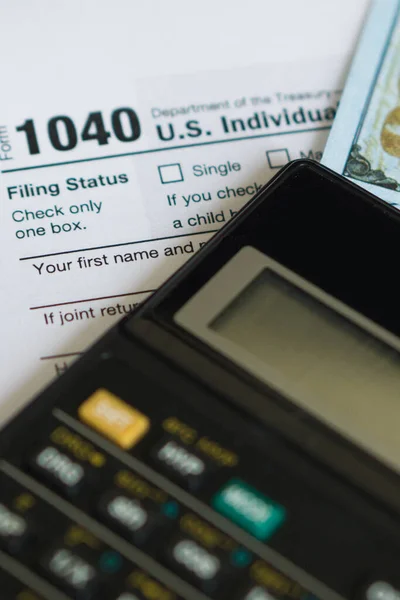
(248, 508)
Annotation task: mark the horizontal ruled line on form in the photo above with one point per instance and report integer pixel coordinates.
(154, 150)
(160, 239)
(61, 355)
(92, 299)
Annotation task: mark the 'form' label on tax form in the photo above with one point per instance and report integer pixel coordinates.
(102, 201)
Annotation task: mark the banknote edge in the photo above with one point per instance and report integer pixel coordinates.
(355, 165)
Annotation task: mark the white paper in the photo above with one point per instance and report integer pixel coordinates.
(90, 227)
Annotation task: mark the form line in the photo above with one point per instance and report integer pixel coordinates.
(61, 355)
(154, 150)
(160, 239)
(91, 299)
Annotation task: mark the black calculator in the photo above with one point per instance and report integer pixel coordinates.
(238, 436)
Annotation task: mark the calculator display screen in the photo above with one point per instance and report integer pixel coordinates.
(337, 369)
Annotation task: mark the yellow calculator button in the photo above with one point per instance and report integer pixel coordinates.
(114, 418)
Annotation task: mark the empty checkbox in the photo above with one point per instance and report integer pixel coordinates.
(170, 173)
(277, 158)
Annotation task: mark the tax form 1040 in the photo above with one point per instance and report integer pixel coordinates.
(113, 174)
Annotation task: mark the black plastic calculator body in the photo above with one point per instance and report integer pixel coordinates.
(233, 438)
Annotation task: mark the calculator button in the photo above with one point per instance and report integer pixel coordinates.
(14, 530)
(72, 573)
(114, 418)
(58, 469)
(248, 508)
(196, 563)
(180, 463)
(255, 592)
(132, 518)
(382, 589)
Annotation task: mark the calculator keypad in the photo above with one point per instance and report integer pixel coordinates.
(65, 553)
(113, 501)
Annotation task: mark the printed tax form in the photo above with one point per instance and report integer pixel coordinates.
(128, 136)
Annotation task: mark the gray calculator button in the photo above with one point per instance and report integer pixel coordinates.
(14, 530)
(57, 469)
(180, 463)
(71, 572)
(132, 518)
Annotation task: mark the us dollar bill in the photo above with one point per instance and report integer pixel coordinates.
(364, 144)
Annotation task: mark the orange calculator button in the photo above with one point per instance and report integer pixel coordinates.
(114, 418)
